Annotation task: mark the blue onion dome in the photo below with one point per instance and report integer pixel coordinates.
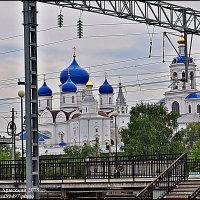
(106, 88)
(69, 86)
(78, 75)
(44, 90)
(193, 96)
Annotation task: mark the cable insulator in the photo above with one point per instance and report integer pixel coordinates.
(60, 20)
(80, 29)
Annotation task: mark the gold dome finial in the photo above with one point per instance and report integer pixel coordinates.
(89, 84)
(181, 39)
(74, 55)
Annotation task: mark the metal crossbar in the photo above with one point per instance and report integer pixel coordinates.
(157, 13)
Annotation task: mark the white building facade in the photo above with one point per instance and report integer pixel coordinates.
(183, 97)
(81, 119)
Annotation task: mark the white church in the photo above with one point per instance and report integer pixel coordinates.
(81, 119)
(183, 97)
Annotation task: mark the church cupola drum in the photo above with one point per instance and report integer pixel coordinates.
(44, 97)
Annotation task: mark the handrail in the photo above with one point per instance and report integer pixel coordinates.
(163, 176)
(194, 194)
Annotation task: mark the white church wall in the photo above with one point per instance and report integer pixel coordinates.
(45, 117)
(74, 136)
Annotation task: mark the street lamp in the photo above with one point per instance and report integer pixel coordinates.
(21, 95)
(117, 172)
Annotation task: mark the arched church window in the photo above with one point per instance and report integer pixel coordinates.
(63, 99)
(183, 74)
(189, 108)
(175, 107)
(183, 79)
(198, 108)
(73, 99)
(192, 80)
(110, 100)
(48, 102)
(175, 80)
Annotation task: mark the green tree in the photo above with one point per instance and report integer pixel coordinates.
(81, 151)
(191, 135)
(195, 151)
(5, 152)
(150, 130)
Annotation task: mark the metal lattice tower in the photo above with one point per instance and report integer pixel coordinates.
(31, 99)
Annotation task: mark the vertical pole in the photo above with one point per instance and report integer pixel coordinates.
(116, 144)
(27, 101)
(13, 135)
(31, 103)
(185, 39)
(13, 145)
(117, 173)
(22, 178)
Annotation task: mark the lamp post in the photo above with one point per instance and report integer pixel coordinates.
(21, 95)
(117, 172)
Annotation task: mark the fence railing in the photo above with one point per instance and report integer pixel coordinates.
(144, 166)
(167, 180)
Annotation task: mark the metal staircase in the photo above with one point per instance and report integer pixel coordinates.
(167, 180)
(189, 189)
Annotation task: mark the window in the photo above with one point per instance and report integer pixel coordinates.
(175, 107)
(122, 110)
(110, 100)
(96, 130)
(189, 108)
(86, 109)
(198, 108)
(175, 80)
(63, 99)
(39, 103)
(192, 80)
(48, 102)
(101, 101)
(183, 74)
(73, 99)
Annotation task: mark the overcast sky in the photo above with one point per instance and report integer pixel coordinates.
(109, 45)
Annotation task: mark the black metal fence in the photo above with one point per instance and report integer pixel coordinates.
(144, 166)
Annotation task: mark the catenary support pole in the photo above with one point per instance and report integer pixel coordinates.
(31, 103)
